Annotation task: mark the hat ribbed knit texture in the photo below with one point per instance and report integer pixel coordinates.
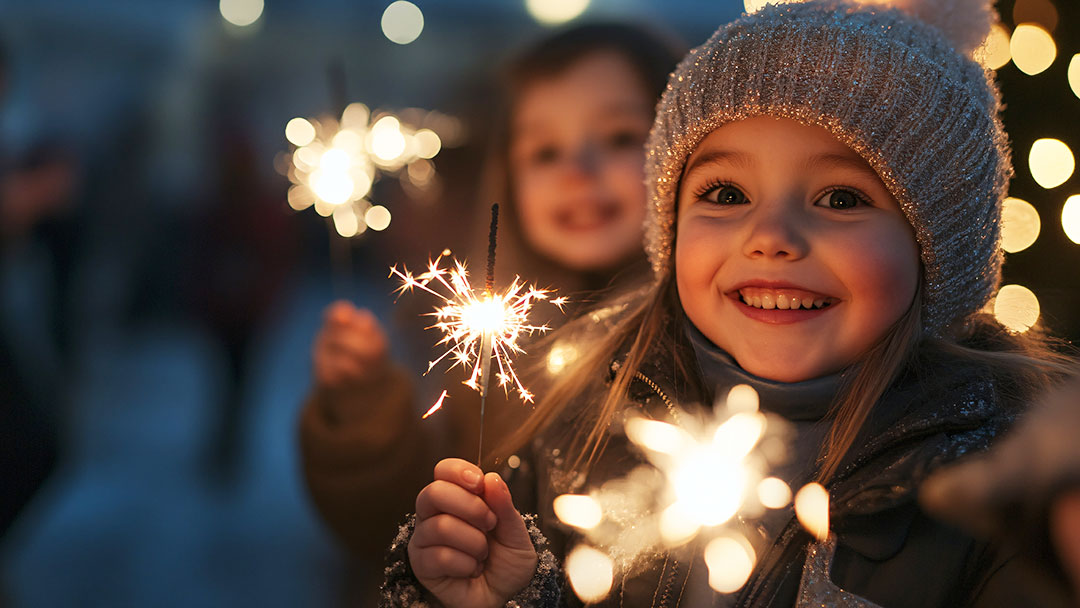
(894, 90)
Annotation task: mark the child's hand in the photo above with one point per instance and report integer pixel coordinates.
(350, 348)
(470, 547)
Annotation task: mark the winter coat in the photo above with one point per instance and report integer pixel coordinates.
(888, 553)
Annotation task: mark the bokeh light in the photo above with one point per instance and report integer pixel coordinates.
(554, 12)
(774, 493)
(742, 398)
(241, 12)
(1032, 47)
(994, 52)
(402, 22)
(1042, 12)
(428, 143)
(1074, 74)
(578, 510)
(730, 561)
(1016, 307)
(386, 140)
(345, 221)
(753, 6)
(1051, 162)
(591, 573)
(1070, 218)
(812, 509)
(355, 116)
(1020, 225)
(299, 132)
(332, 187)
(377, 217)
(300, 197)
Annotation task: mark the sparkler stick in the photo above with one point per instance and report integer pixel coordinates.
(340, 249)
(480, 330)
(486, 342)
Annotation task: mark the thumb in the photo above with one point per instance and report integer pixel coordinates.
(510, 528)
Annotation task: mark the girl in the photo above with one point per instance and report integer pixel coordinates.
(569, 169)
(825, 182)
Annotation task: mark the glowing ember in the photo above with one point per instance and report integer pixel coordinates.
(471, 321)
(578, 510)
(435, 408)
(590, 572)
(812, 509)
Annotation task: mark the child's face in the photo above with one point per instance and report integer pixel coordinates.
(771, 211)
(577, 161)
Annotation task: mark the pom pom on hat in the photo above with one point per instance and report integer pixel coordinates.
(966, 23)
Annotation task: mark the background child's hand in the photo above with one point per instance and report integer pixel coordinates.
(350, 348)
(470, 547)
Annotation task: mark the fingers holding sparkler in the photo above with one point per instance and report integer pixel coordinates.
(350, 348)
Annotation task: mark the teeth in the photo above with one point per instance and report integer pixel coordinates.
(782, 302)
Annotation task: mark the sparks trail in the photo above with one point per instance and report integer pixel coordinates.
(464, 317)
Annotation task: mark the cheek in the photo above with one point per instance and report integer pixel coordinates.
(695, 261)
(886, 273)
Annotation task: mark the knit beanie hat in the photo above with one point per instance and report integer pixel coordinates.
(898, 87)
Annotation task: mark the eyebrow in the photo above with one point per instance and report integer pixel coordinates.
(850, 162)
(814, 163)
(720, 157)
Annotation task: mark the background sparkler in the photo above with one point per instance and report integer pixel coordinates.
(479, 328)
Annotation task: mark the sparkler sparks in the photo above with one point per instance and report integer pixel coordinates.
(475, 324)
(705, 477)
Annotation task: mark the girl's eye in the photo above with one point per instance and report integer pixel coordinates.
(842, 199)
(544, 155)
(724, 195)
(621, 140)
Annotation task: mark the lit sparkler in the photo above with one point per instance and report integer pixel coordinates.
(479, 327)
(704, 477)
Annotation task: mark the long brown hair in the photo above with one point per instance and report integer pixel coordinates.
(1023, 365)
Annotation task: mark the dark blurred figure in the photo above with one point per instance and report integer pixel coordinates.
(36, 207)
(241, 251)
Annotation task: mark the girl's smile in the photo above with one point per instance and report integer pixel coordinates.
(779, 302)
(790, 253)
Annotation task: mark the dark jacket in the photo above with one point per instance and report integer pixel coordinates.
(889, 552)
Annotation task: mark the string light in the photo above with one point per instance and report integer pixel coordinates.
(1032, 47)
(1070, 218)
(1020, 225)
(994, 52)
(1074, 74)
(241, 13)
(1016, 307)
(554, 12)
(1051, 162)
(402, 22)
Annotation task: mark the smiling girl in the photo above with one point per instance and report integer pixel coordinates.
(825, 183)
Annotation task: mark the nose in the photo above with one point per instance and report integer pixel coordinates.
(584, 160)
(776, 230)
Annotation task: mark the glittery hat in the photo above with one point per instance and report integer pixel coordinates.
(899, 87)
